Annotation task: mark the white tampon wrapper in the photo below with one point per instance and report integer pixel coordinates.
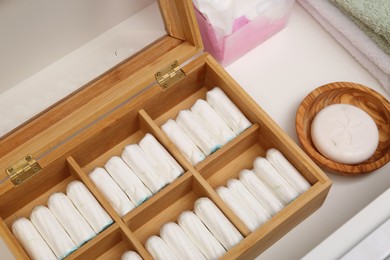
(227, 110)
(179, 242)
(213, 121)
(52, 232)
(287, 170)
(159, 250)
(70, 218)
(217, 223)
(153, 179)
(131, 255)
(248, 199)
(31, 240)
(270, 176)
(88, 206)
(161, 157)
(111, 191)
(183, 142)
(261, 192)
(239, 208)
(194, 128)
(127, 180)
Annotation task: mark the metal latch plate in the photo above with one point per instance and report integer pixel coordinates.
(23, 170)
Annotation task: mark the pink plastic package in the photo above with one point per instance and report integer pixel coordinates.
(246, 34)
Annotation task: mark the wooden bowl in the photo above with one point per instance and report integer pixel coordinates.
(345, 93)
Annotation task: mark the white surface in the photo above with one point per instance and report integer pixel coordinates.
(278, 74)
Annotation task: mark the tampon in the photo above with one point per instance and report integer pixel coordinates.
(31, 240)
(131, 255)
(200, 135)
(159, 250)
(248, 199)
(287, 170)
(153, 179)
(261, 192)
(161, 157)
(70, 218)
(200, 235)
(178, 241)
(127, 180)
(239, 208)
(111, 191)
(183, 142)
(52, 232)
(270, 176)
(213, 121)
(217, 223)
(227, 110)
(88, 206)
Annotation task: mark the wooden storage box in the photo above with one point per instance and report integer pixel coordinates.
(86, 129)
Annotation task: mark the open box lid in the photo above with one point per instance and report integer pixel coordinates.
(39, 138)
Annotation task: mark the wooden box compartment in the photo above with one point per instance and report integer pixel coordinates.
(125, 104)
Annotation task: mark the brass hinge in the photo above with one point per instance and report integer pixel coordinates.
(23, 170)
(169, 75)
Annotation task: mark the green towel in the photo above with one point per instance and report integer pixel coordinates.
(372, 16)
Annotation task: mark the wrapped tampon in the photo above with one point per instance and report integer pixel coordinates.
(287, 170)
(200, 235)
(217, 223)
(247, 198)
(270, 176)
(153, 179)
(127, 180)
(159, 250)
(131, 255)
(213, 121)
(183, 142)
(31, 240)
(227, 110)
(239, 208)
(200, 135)
(261, 192)
(70, 218)
(88, 206)
(111, 191)
(178, 241)
(161, 157)
(52, 232)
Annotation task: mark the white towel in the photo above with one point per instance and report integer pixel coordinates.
(52, 232)
(111, 191)
(88, 206)
(232, 115)
(161, 157)
(270, 176)
(244, 195)
(213, 121)
(179, 242)
(352, 38)
(199, 134)
(239, 208)
(287, 170)
(200, 235)
(219, 225)
(183, 142)
(261, 192)
(127, 180)
(70, 218)
(144, 168)
(31, 240)
(159, 250)
(131, 255)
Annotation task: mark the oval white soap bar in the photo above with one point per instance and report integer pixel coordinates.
(345, 134)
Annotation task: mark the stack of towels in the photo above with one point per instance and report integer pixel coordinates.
(360, 26)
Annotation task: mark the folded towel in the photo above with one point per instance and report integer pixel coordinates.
(373, 17)
(354, 40)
